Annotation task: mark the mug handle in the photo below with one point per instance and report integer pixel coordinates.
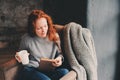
(18, 58)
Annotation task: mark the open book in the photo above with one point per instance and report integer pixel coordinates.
(46, 64)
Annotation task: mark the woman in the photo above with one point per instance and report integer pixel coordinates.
(41, 42)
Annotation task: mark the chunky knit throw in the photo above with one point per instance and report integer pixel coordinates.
(80, 51)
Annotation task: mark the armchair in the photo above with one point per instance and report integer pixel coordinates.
(79, 51)
(9, 67)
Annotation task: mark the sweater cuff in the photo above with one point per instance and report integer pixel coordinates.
(61, 57)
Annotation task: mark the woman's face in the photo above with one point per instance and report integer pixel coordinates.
(41, 27)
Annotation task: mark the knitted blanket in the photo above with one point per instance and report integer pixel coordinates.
(80, 51)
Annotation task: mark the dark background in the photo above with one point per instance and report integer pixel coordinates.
(65, 11)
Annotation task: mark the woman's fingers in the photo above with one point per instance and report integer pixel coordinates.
(17, 58)
(57, 62)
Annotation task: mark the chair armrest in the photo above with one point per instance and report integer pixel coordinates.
(9, 64)
(71, 76)
(9, 69)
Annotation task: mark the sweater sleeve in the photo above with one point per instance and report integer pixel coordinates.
(59, 51)
(59, 54)
(23, 43)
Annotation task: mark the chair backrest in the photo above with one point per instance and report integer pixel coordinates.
(58, 28)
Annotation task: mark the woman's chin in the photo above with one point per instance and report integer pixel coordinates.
(43, 36)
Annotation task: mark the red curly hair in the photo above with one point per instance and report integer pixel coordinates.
(36, 14)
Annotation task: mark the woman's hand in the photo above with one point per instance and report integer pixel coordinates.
(17, 58)
(57, 62)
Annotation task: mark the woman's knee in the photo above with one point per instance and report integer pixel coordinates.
(40, 76)
(34, 74)
(64, 71)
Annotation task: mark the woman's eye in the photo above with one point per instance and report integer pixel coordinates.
(39, 28)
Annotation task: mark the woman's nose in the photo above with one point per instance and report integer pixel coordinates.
(43, 30)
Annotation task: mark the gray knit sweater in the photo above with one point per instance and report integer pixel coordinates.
(38, 48)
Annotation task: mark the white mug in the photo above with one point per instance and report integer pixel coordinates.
(23, 55)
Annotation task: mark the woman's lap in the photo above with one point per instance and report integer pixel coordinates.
(57, 74)
(30, 73)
